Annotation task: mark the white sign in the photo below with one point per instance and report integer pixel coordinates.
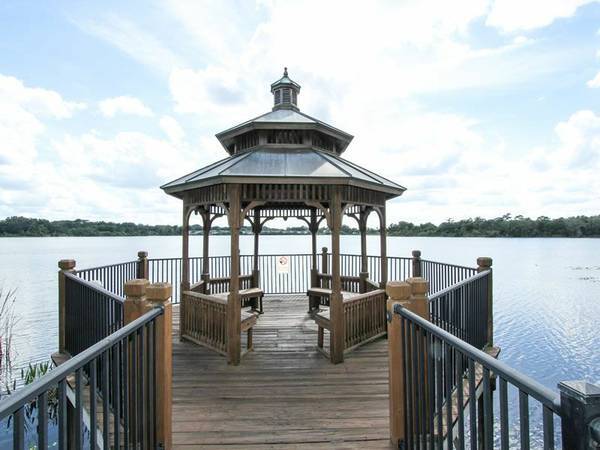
(283, 265)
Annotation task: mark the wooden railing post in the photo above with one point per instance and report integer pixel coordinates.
(580, 421)
(398, 292)
(485, 263)
(324, 267)
(416, 264)
(362, 282)
(133, 308)
(142, 266)
(159, 294)
(65, 265)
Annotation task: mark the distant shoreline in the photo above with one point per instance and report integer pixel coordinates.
(501, 227)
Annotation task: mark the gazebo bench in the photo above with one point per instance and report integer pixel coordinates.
(323, 321)
(253, 297)
(322, 296)
(248, 321)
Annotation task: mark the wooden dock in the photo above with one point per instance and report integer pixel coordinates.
(284, 394)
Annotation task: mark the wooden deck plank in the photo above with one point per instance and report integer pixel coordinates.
(284, 393)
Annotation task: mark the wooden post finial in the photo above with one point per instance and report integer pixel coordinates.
(159, 292)
(484, 263)
(66, 264)
(398, 291)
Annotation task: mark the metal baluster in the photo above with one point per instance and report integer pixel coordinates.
(524, 419)
(504, 442)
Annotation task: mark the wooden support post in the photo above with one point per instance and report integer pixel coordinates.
(417, 270)
(234, 328)
(158, 295)
(256, 229)
(185, 268)
(383, 245)
(65, 265)
(313, 228)
(206, 226)
(580, 421)
(398, 292)
(133, 308)
(364, 262)
(324, 267)
(412, 295)
(142, 265)
(485, 263)
(336, 304)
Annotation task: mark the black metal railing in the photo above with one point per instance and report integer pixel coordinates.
(91, 312)
(50, 411)
(111, 277)
(441, 372)
(442, 275)
(462, 309)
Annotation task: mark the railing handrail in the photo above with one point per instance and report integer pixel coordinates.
(458, 285)
(527, 384)
(356, 298)
(89, 269)
(26, 394)
(458, 266)
(94, 286)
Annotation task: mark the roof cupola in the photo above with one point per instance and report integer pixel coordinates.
(285, 93)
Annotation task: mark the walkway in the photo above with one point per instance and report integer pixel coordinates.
(284, 394)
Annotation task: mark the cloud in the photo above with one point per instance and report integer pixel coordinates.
(516, 15)
(124, 105)
(133, 40)
(172, 128)
(594, 82)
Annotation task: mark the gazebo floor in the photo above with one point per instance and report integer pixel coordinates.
(284, 394)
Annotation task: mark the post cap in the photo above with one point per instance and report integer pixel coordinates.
(583, 391)
(324, 249)
(398, 290)
(420, 286)
(159, 292)
(66, 264)
(416, 253)
(136, 287)
(142, 254)
(484, 261)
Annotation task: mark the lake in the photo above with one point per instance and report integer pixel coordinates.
(546, 291)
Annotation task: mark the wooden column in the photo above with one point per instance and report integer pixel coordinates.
(417, 269)
(383, 245)
(159, 295)
(142, 267)
(133, 308)
(256, 229)
(65, 265)
(412, 295)
(313, 228)
(485, 263)
(398, 292)
(233, 301)
(185, 266)
(206, 226)
(364, 262)
(336, 308)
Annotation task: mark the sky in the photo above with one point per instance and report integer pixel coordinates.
(479, 108)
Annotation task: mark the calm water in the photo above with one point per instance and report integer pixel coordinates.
(546, 291)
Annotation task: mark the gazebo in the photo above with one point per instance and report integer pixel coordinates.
(282, 164)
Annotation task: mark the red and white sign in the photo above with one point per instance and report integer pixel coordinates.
(283, 264)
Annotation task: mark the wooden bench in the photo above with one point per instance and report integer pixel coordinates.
(248, 321)
(323, 321)
(322, 296)
(253, 297)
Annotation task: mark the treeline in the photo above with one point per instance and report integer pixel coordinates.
(504, 226)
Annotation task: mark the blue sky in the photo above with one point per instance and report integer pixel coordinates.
(479, 107)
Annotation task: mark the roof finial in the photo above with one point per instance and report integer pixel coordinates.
(285, 74)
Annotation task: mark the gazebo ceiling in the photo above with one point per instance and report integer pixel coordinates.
(284, 146)
(284, 165)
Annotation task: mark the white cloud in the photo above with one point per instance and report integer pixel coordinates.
(594, 82)
(133, 40)
(518, 15)
(124, 105)
(172, 128)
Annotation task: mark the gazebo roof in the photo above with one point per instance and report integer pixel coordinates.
(284, 146)
(284, 165)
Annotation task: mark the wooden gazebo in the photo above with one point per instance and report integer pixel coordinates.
(281, 164)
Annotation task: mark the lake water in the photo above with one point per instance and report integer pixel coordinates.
(546, 291)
